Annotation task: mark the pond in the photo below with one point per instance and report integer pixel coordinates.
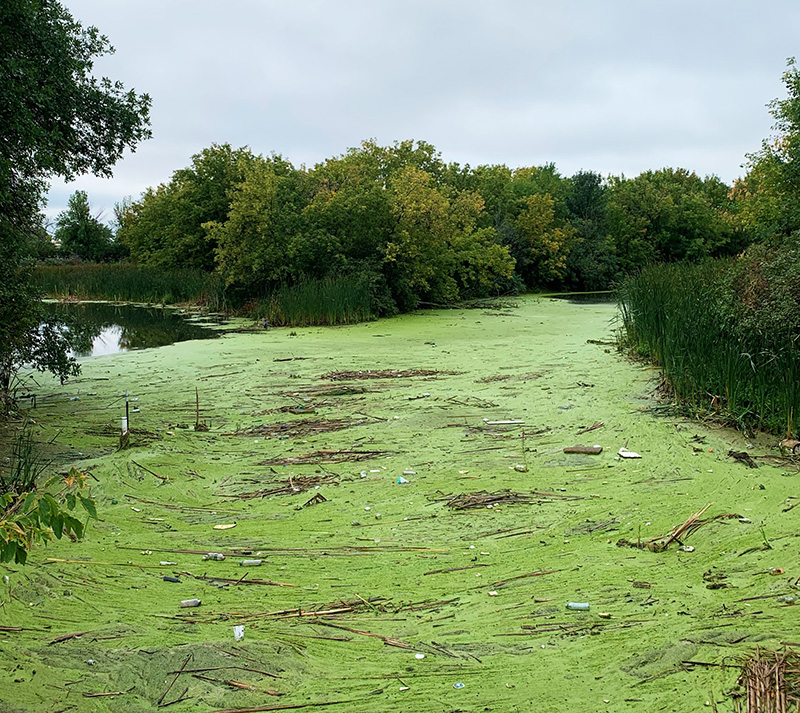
(108, 329)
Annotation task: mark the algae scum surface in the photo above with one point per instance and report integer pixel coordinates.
(447, 592)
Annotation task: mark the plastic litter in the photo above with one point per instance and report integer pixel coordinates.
(578, 606)
(458, 685)
(172, 579)
(409, 472)
(250, 563)
(625, 453)
(687, 548)
(776, 570)
(238, 632)
(186, 603)
(217, 556)
(419, 656)
(401, 480)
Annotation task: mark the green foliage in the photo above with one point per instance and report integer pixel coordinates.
(255, 240)
(81, 234)
(56, 118)
(129, 283)
(770, 192)
(724, 333)
(25, 465)
(169, 226)
(24, 336)
(376, 212)
(426, 231)
(542, 242)
(329, 301)
(592, 262)
(434, 252)
(669, 215)
(31, 516)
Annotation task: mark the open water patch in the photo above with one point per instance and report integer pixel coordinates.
(109, 329)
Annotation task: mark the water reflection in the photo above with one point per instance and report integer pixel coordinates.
(588, 298)
(108, 329)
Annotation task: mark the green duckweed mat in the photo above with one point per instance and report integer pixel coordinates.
(447, 592)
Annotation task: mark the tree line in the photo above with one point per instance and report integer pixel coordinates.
(419, 230)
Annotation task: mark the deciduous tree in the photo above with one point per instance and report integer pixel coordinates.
(56, 119)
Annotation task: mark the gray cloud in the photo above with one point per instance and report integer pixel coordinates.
(616, 87)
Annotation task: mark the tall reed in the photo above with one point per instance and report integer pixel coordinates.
(329, 301)
(130, 283)
(688, 319)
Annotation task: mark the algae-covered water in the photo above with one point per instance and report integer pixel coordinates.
(379, 595)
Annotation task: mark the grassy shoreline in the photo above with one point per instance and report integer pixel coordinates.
(724, 349)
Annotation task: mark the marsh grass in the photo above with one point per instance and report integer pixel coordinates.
(330, 301)
(715, 350)
(130, 283)
(24, 467)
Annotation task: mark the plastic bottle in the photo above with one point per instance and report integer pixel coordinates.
(218, 556)
(578, 606)
(190, 603)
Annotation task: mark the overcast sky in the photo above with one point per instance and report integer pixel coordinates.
(613, 86)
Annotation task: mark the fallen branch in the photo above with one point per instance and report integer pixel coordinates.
(240, 580)
(524, 576)
(152, 472)
(261, 709)
(238, 684)
(172, 683)
(67, 637)
(106, 695)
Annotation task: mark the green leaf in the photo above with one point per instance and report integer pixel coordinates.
(57, 523)
(21, 555)
(44, 511)
(27, 505)
(8, 551)
(89, 506)
(73, 525)
(70, 501)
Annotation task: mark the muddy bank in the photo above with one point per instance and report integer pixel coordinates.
(400, 535)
